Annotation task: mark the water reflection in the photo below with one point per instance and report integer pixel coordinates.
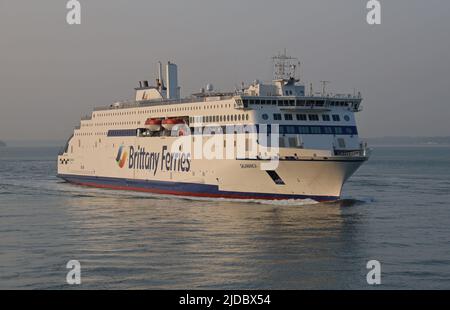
(144, 242)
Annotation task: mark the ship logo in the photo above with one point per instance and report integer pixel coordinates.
(121, 157)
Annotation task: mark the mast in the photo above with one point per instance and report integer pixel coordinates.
(284, 67)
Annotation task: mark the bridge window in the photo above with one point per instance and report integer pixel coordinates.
(348, 130)
(328, 130)
(336, 118)
(325, 117)
(290, 129)
(277, 117)
(315, 130)
(303, 130)
(313, 117)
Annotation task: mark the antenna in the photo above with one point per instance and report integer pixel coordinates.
(324, 84)
(284, 66)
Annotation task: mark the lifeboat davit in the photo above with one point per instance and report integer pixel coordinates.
(168, 123)
(153, 124)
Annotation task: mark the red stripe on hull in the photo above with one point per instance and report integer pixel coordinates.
(178, 193)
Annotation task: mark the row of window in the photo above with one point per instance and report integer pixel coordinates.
(164, 110)
(304, 117)
(318, 130)
(293, 102)
(90, 134)
(283, 129)
(122, 133)
(111, 124)
(219, 118)
(239, 117)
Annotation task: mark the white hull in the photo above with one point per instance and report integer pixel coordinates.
(319, 177)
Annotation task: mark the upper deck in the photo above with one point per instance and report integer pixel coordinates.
(250, 102)
(256, 101)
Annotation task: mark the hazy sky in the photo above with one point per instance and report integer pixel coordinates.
(52, 73)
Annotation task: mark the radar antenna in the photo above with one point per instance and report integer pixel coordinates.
(284, 66)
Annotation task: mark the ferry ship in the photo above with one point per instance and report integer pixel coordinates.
(284, 142)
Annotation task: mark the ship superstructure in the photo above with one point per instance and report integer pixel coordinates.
(275, 141)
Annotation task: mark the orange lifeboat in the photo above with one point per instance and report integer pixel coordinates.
(153, 124)
(168, 123)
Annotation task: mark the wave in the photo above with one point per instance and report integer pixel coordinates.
(56, 187)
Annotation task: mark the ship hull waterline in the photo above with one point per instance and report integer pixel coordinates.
(331, 186)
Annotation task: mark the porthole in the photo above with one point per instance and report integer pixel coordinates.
(347, 118)
(265, 117)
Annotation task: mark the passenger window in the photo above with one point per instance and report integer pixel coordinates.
(288, 117)
(326, 117)
(301, 117)
(336, 118)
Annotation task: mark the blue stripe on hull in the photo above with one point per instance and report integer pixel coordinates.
(179, 188)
